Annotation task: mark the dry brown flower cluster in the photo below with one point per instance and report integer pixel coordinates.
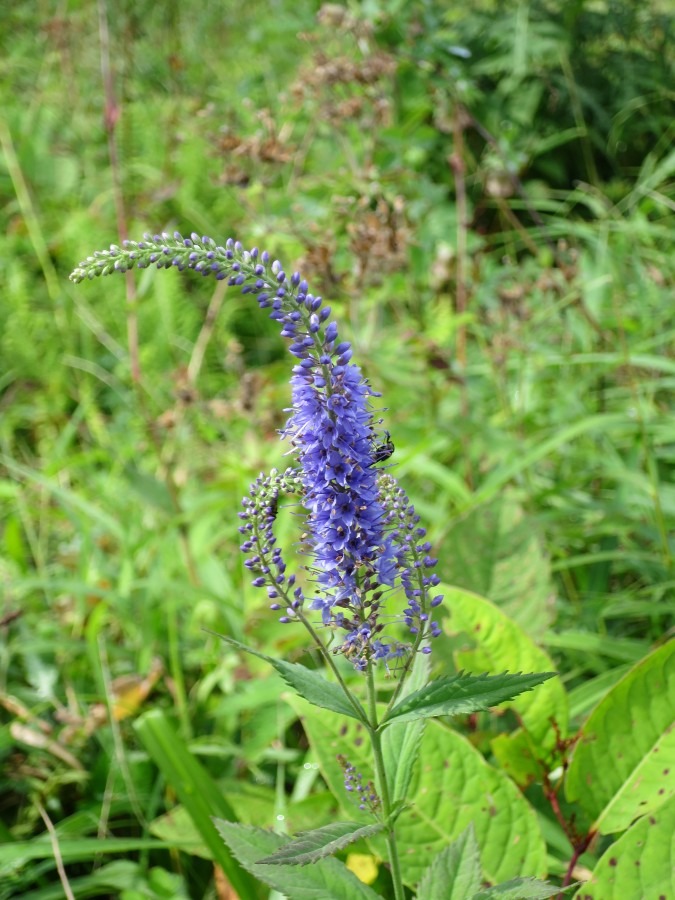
(270, 144)
(344, 88)
(339, 18)
(379, 236)
(379, 239)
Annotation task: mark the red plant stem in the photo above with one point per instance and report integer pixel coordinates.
(457, 164)
(579, 844)
(552, 798)
(456, 161)
(579, 849)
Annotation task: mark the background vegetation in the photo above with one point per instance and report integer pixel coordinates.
(487, 197)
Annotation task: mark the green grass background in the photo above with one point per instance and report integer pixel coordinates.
(485, 197)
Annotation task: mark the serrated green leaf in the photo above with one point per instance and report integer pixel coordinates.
(517, 756)
(463, 693)
(455, 873)
(327, 878)
(309, 684)
(496, 552)
(633, 727)
(451, 787)
(639, 863)
(520, 889)
(319, 843)
(499, 643)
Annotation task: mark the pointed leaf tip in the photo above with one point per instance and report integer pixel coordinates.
(310, 846)
(464, 693)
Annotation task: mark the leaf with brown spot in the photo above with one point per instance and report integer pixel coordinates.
(623, 765)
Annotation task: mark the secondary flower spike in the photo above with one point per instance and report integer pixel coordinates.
(361, 532)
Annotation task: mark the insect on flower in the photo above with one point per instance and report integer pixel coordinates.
(383, 450)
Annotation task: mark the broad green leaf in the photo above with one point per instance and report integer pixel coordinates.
(177, 827)
(453, 787)
(456, 873)
(496, 552)
(623, 765)
(329, 737)
(401, 741)
(649, 785)
(194, 788)
(498, 644)
(307, 683)
(515, 751)
(520, 889)
(589, 693)
(517, 756)
(462, 693)
(326, 878)
(639, 863)
(320, 843)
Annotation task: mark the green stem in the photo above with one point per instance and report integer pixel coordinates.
(330, 662)
(383, 787)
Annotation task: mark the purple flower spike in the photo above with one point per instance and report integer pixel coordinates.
(360, 531)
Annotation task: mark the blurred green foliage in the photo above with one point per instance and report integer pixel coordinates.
(487, 198)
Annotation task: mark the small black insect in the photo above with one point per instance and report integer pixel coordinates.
(273, 506)
(383, 450)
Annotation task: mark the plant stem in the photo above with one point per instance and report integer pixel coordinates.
(378, 758)
(202, 342)
(458, 167)
(111, 117)
(330, 662)
(579, 850)
(383, 787)
(56, 850)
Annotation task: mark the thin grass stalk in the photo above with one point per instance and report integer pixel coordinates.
(58, 859)
(458, 167)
